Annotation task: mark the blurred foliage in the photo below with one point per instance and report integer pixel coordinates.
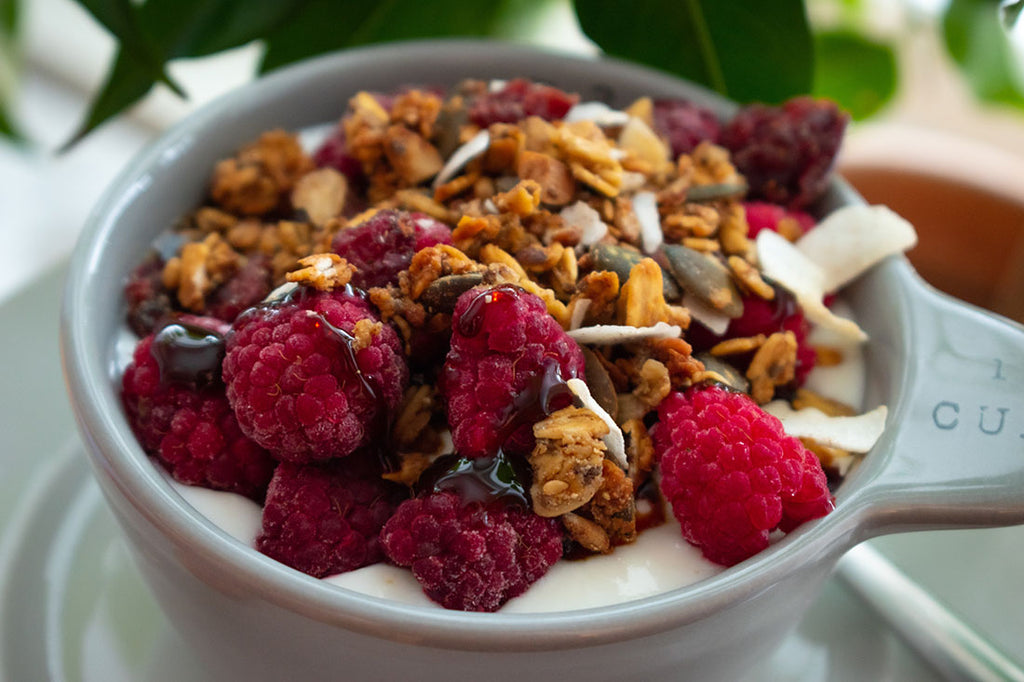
(765, 50)
(10, 16)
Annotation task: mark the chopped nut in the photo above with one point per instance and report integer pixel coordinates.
(558, 187)
(413, 417)
(833, 408)
(774, 364)
(676, 355)
(417, 110)
(642, 301)
(323, 272)
(203, 266)
(654, 383)
(827, 356)
(750, 279)
(613, 507)
(521, 200)
(434, 262)
(321, 194)
(737, 346)
(639, 449)
(569, 451)
(245, 235)
(410, 155)
(363, 332)
(588, 534)
(209, 219)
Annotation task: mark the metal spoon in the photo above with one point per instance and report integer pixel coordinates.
(938, 635)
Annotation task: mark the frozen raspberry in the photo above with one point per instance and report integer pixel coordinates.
(299, 382)
(685, 124)
(176, 405)
(333, 153)
(472, 557)
(506, 364)
(244, 289)
(732, 475)
(519, 99)
(324, 519)
(787, 152)
(149, 302)
(762, 215)
(778, 315)
(384, 245)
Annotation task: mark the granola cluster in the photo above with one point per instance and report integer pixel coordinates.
(643, 256)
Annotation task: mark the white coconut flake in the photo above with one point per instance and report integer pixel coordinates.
(632, 181)
(579, 311)
(611, 334)
(497, 85)
(476, 146)
(854, 238)
(490, 206)
(587, 219)
(614, 443)
(645, 206)
(856, 434)
(281, 291)
(714, 320)
(598, 112)
(783, 262)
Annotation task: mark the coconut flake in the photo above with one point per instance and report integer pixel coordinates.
(614, 443)
(476, 146)
(313, 137)
(281, 291)
(579, 311)
(716, 322)
(611, 334)
(598, 112)
(855, 434)
(587, 219)
(783, 262)
(854, 238)
(645, 206)
(496, 85)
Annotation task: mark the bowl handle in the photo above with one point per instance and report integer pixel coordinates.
(954, 453)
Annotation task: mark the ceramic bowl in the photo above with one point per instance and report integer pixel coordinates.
(951, 457)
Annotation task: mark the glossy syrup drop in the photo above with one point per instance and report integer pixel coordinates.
(188, 354)
(472, 319)
(485, 480)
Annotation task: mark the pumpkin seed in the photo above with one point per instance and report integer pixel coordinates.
(705, 277)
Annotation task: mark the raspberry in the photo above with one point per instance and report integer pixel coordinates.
(519, 99)
(471, 557)
(384, 245)
(507, 362)
(176, 405)
(298, 383)
(324, 519)
(732, 475)
(148, 300)
(786, 152)
(333, 153)
(244, 289)
(685, 124)
(762, 215)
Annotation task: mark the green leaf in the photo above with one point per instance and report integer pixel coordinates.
(745, 50)
(127, 82)
(121, 18)
(980, 46)
(326, 25)
(1011, 13)
(858, 73)
(10, 17)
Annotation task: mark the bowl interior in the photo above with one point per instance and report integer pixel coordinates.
(171, 177)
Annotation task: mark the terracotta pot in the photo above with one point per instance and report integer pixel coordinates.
(966, 201)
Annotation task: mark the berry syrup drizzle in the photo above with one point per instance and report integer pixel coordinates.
(188, 354)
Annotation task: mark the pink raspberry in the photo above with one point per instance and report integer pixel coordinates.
(324, 519)
(732, 475)
(519, 99)
(762, 215)
(299, 384)
(333, 153)
(786, 153)
(244, 289)
(685, 124)
(506, 366)
(176, 405)
(471, 557)
(384, 245)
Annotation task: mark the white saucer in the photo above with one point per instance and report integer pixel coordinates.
(73, 608)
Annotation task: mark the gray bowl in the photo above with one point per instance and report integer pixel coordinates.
(951, 457)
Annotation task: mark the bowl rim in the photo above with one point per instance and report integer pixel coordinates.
(123, 468)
